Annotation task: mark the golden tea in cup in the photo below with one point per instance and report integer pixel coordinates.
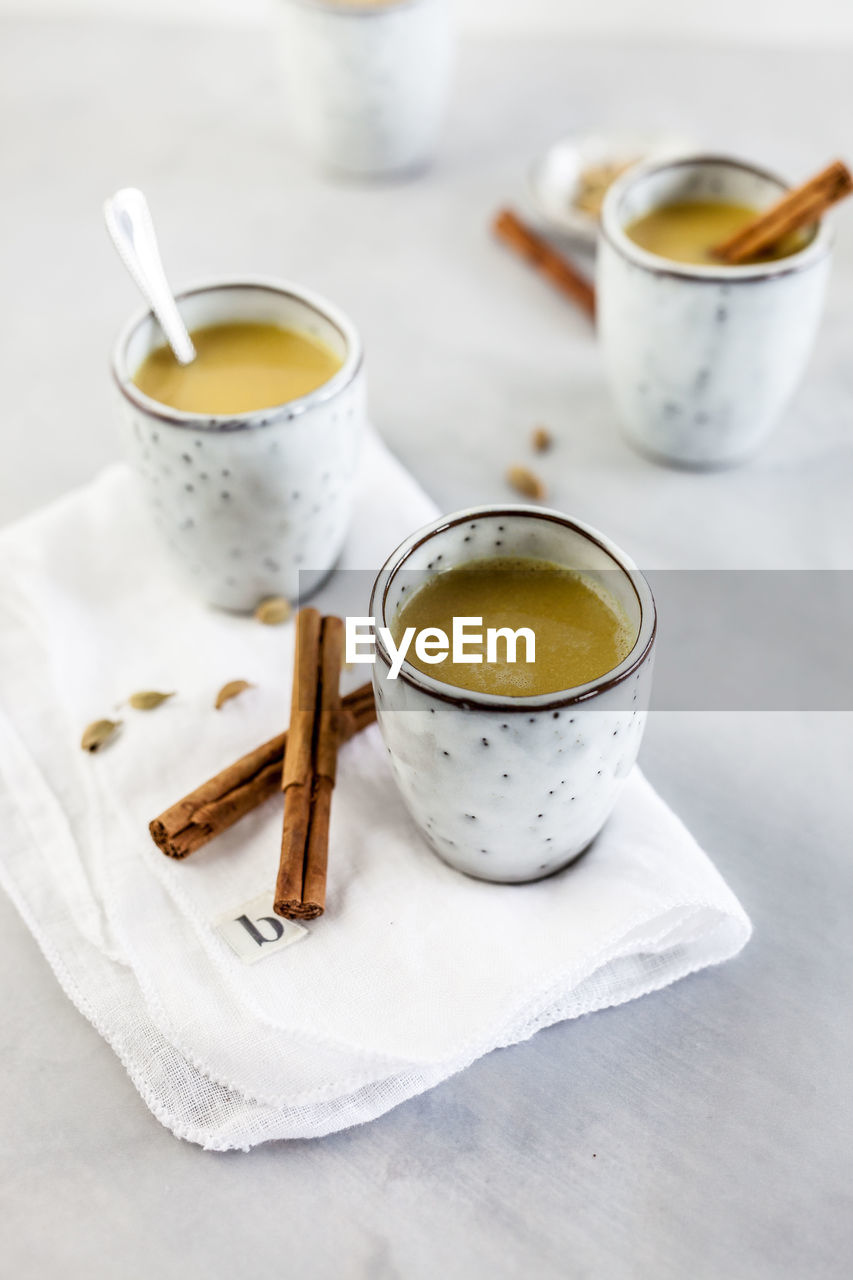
(239, 367)
(551, 627)
(688, 230)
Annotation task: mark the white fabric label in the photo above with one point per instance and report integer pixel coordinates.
(254, 931)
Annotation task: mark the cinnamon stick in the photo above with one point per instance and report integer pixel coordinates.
(801, 207)
(310, 759)
(326, 760)
(535, 250)
(298, 756)
(221, 801)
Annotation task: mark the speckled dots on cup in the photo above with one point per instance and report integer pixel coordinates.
(246, 502)
(366, 83)
(512, 789)
(702, 359)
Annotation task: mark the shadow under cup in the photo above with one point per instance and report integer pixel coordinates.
(512, 789)
(246, 502)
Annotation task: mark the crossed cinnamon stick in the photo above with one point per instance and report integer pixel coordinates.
(217, 804)
(310, 761)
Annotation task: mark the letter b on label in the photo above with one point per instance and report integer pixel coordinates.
(253, 928)
(254, 932)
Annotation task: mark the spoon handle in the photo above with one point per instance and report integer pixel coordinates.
(129, 224)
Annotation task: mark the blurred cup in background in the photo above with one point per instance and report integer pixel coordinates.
(366, 81)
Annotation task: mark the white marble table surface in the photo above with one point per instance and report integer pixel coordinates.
(705, 1131)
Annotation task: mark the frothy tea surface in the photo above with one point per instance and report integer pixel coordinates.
(687, 231)
(239, 367)
(580, 632)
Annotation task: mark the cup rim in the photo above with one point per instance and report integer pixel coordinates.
(613, 233)
(254, 417)
(470, 699)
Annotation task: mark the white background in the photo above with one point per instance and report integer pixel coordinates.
(768, 22)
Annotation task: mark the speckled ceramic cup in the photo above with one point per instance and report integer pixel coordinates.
(245, 502)
(702, 359)
(512, 789)
(366, 83)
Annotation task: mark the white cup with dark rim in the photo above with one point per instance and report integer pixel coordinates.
(702, 360)
(512, 789)
(366, 80)
(246, 502)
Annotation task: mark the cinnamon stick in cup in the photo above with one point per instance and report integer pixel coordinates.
(526, 242)
(310, 758)
(798, 208)
(218, 803)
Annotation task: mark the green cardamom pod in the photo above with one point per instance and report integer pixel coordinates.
(231, 690)
(97, 733)
(148, 699)
(273, 611)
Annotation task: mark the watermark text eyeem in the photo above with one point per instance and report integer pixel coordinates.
(432, 644)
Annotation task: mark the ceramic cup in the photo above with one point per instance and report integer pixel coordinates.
(245, 502)
(366, 82)
(512, 789)
(702, 359)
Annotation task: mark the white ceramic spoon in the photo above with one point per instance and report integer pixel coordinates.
(129, 224)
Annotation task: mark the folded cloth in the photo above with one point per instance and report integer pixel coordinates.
(413, 972)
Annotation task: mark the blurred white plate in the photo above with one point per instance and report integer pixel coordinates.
(555, 179)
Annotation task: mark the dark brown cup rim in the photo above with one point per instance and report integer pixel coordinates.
(466, 698)
(613, 232)
(256, 417)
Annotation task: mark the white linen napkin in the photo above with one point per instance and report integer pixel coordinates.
(413, 972)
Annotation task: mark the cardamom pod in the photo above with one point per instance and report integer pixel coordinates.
(525, 482)
(148, 699)
(231, 690)
(540, 439)
(97, 733)
(273, 611)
